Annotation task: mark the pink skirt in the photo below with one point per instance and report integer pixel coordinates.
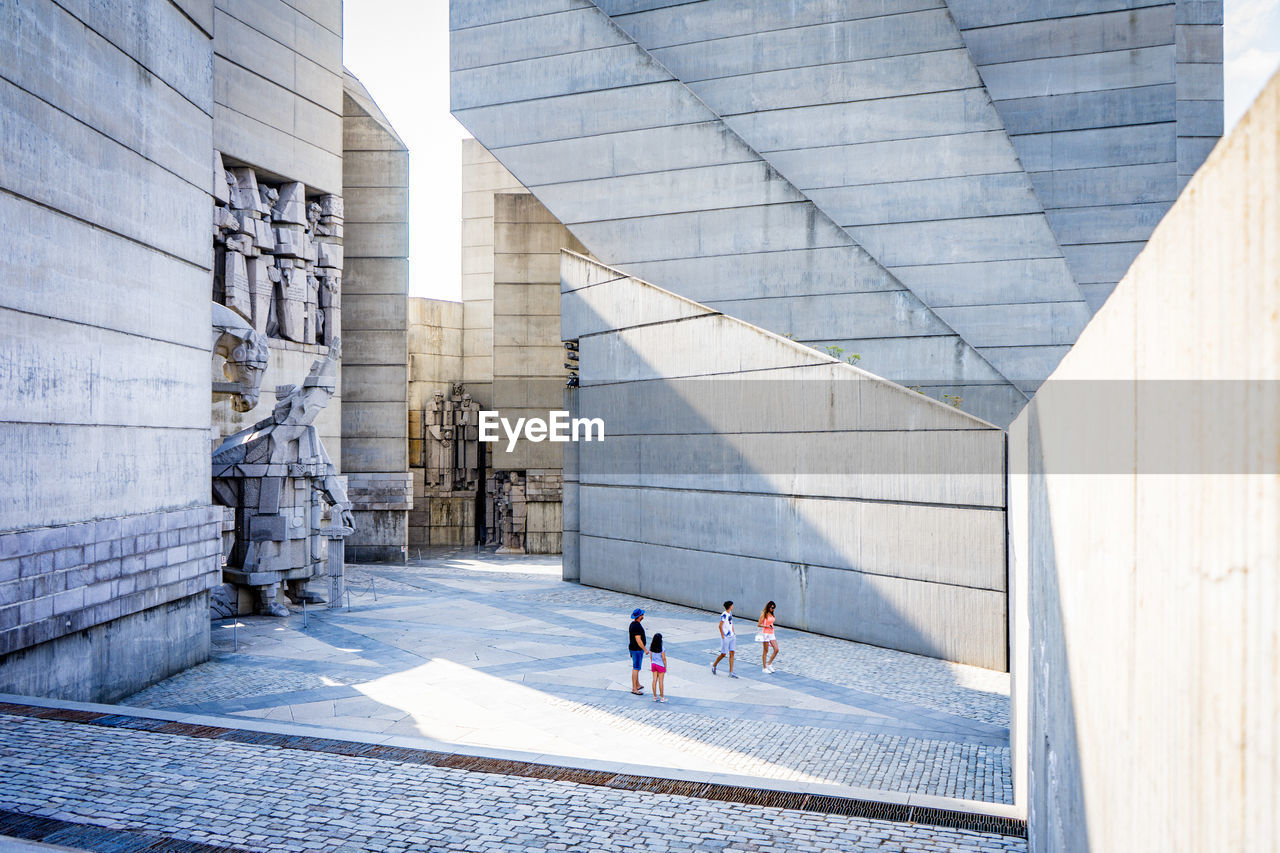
(657, 667)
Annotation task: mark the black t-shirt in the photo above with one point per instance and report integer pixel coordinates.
(631, 636)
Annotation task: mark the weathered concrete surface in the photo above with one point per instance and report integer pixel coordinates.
(375, 370)
(482, 177)
(943, 157)
(644, 173)
(107, 543)
(278, 88)
(1147, 678)
(756, 468)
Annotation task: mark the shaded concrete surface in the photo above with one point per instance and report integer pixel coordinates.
(472, 649)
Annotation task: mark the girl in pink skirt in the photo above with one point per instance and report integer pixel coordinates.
(658, 663)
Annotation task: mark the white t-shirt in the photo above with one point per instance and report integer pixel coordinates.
(726, 619)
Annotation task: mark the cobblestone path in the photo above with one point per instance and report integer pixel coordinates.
(253, 797)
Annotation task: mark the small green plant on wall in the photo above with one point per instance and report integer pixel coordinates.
(953, 399)
(836, 351)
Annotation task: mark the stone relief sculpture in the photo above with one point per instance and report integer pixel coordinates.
(244, 351)
(452, 451)
(278, 255)
(282, 484)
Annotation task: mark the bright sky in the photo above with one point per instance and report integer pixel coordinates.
(400, 50)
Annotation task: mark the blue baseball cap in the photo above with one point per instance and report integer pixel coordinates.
(635, 614)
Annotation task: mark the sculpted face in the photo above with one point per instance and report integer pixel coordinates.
(245, 364)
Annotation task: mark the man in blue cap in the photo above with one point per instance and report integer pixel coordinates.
(637, 646)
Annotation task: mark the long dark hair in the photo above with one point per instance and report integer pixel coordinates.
(768, 610)
(655, 645)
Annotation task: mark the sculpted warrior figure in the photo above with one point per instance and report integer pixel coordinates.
(282, 483)
(245, 354)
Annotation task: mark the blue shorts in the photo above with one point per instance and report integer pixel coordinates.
(637, 659)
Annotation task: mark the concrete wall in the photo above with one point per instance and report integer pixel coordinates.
(739, 464)
(1147, 671)
(375, 339)
(836, 172)
(1111, 108)
(528, 355)
(278, 88)
(278, 107)
(482, 177)
(105, 279)
(435, 363)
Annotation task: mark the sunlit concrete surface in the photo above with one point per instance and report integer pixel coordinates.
(469, 648)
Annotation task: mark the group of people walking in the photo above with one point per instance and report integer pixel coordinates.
(639, 645)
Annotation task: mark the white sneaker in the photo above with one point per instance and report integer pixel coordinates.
(769, 669)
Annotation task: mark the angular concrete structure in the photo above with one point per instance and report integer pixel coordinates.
(108, 542)
(1145, 527)
(845, 173)
(738, 464)
(375, 337)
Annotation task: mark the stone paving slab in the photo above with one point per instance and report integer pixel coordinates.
(497, 652)
(257, 797)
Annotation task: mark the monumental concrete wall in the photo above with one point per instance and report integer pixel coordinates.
(435, 364)
(375, 336)
(836, 172)
(529, 371)
(278, 88)
(1110, 106)
(1146, 537)
(482, 176)
(278, 107)
(741, 465)
(108, 544)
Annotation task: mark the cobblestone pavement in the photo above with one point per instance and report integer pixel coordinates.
(499, 652)
(267, 798)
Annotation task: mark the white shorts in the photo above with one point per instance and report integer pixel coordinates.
(728, 644)
(767, 638)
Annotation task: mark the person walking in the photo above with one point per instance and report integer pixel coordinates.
(636, 645)
(727, 642)
(658, 663)
(766, 638)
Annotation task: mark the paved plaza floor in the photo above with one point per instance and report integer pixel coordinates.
(478, 649)
(468, 651)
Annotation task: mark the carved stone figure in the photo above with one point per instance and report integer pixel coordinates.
(245, 353)
(282, 483)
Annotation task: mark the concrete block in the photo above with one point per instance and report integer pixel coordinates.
(841, 41)
(136, 26)
(989, 282)
(1090, 109)
(370, 313)
(968, 110)
(1199, 43)
(474, 13)
(653, 25)
(1138, 184)
(1200, 81)
(942, 198)
(958, 240)
(863, 79)
(374, 275)
(376, 169)
(1113, 224)
(117, 372)
(385, 205)
(1090, 149)
(1101, 263)
(774, 227)
(582, 114)
(898, 160)
(1078, 35)
(648, 150)
(525, 38)
(101, 181)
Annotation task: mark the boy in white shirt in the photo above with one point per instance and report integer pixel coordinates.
(727, 641)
